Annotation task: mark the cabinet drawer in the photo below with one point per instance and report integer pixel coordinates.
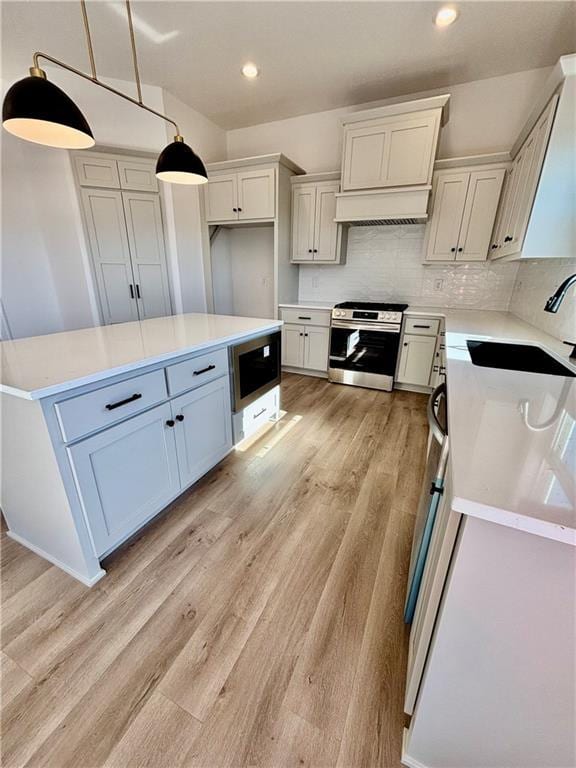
(306, 316)
(102, 407)
(196, 371)
(422, 326)
(255, 415)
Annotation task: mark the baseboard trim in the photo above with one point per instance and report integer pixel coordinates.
(406, 760)
(88, 582)
(413, 388)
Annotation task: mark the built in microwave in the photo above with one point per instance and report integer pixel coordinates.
(256, 368)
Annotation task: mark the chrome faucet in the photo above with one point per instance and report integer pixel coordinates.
(556, 299)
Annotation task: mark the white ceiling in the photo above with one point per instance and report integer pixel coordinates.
(312, 55)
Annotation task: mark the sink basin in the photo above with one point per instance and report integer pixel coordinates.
(516, 357)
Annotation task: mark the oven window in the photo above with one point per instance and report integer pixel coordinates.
(368, 351)
(258, 367)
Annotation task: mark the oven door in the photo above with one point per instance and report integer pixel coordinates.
(364, 347)
(256, 367)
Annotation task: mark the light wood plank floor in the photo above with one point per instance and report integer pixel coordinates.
(257, 623)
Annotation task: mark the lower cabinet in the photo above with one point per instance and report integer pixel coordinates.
(126, 474)
(416, 359)
(305, 346)
(203, 428)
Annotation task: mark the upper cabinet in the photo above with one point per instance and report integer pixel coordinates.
(387, 161)
(316, 237)
(97, 170)
(537, 213)
(390, 151)
(243, 195)
(464, 203)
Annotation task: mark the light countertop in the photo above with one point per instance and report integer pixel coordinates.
(308, 305)
(39, 366)
(512, 434)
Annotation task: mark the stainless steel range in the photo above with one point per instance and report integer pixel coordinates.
(364, 342)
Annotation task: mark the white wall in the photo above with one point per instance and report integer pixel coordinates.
(535, 282)
(485, 116)
(385, 264)
(186, 229)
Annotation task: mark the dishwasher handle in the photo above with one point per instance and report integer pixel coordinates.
(435, 426)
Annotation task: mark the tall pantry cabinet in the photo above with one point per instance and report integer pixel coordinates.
(120, 203)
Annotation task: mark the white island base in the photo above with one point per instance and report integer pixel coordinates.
(93, 450)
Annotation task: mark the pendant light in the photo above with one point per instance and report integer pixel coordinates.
(36, 110)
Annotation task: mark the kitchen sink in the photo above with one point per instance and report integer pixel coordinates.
(516, 357)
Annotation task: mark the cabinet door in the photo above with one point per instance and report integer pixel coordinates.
(256, 194)
(416, 359)
(138, 175)
(502, 214)
(479, 213)
(316, 342)
(126, 474)
(520, 172)
(146, 238)
(221, 198)
(203, 428)
(293, 345)
(108, 240)
(303, 210)
(410, 149)
(325, 228)
(364, 152)
(448, 204)
(94, 171)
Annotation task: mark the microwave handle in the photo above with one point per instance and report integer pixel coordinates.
(433, 423)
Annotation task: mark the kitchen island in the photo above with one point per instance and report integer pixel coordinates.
(103, 427)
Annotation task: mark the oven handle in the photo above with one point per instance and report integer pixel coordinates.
(433, 423)
(366, 327)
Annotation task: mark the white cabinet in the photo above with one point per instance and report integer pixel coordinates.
(94, 169)
(390, 150)
(416, 358)
(146, 239)
(203, 428)
(138, 175)
(521, 187)
(305, 346)
(108, 238)
(464, 204)
(246, 195)
(126, 239)
(316, 237)
(126, 474)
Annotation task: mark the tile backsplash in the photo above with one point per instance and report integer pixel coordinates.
(384, 263)
(535, 282)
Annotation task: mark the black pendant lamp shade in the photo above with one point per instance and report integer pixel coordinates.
(179, 164)
(37, 110)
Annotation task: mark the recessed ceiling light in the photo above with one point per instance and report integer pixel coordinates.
(250, 70)
(446, 16)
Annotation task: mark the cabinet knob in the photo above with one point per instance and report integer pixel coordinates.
(508, 238)
(239, 210)
(453, 250)
(460, 250)
(170, 423)
(235, 210)
(315, 250)
(180, 417)
(405, 343)
(309, 250)
(494, 245)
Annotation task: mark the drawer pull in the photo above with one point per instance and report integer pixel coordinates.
(420, 326)
(204, 370)
(259, 413)
(303, 317)
(111, 406)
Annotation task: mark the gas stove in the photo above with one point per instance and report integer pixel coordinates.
(369, 311)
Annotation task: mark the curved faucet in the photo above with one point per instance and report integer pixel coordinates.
(556, 299)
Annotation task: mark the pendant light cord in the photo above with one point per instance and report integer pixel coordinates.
(93, 77)
(134, 55)
(88, 39)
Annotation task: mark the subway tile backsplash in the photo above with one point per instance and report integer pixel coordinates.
(535, 282)
(385, 264)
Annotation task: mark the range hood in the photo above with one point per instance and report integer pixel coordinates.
(387, 162)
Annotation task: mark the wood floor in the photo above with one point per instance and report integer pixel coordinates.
(257, 623)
